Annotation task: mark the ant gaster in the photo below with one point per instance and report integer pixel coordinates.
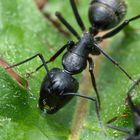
(135, 109)
(59, 86)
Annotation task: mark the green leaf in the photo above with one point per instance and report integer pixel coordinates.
(25, 32)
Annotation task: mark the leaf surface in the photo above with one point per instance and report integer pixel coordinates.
(25, 32)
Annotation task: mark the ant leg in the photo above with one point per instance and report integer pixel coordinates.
(91, 66)
(77, 16)
(88, 98)
(125, 130)
(119, 28)
(117, 117)
(67, 25)
(28, 59)
(131, 104)
(55, 23)
(114, 62)
(69, 45)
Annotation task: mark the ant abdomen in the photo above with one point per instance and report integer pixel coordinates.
(54, 86)
(106, 14)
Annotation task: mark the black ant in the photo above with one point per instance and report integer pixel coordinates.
(135, 109)
(103, 15)
(58, 86)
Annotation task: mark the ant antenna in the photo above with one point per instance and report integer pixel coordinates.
(114, 62)
(30, 58)
(88, 98)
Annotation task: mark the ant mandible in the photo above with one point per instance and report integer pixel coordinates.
(135, 109)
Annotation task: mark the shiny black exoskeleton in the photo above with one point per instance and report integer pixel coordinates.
(135, 109)
(106, 14)
(55, 84)
(75, 59)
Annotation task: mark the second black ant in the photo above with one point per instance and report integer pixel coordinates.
(135, 109)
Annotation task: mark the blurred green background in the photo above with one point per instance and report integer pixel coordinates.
(24, 32)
